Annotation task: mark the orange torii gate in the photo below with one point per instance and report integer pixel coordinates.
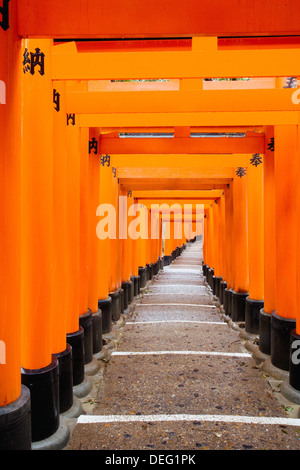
(37, 339)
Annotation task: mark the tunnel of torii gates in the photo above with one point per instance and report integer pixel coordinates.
(96, 121)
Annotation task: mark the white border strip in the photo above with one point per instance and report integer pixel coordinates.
(196, 353)
(176, 321)
(177, 293)
(179, 285)
(83, 419)
(177, 305)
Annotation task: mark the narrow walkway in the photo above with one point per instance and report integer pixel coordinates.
(181, 378)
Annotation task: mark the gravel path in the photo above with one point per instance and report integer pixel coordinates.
(180, 378)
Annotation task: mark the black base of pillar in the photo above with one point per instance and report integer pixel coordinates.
(204, 268)
(65, 379)
(131, 290)
(294, 366)
(44, 395)
(15, 423)
(76, 341)
(115, 304)
(149, 272)
(161, 264)
(122, 300)
(210, 278)
(168, 260)
(136, 284)
(227, 301)
(156, 268)
(265, 332)
(216, 285)
(125, 287)
(105, 306)
(252, 315)
(223, 286)
(85, 321)
(238, 306)
(143, 277)
(97, 331)
(280, 340)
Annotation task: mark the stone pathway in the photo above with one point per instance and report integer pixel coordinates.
(180, 378)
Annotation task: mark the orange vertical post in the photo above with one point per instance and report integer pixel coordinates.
(142, 244)
(241, 257)
(60, 348)
(269, 245)
(39, 366)
(228, 250)
(15, 418)
(75, 331)
(222, 248)
(85, 314)
(255, 300)
(284, 317)
(290, 387)
(107, 220)
(211, 246)
(114, 280)
(217, 241)
(93, 242)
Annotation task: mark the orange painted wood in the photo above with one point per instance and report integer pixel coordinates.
(73, 226)
(37, 211)
(58, 298)
(229, 247)
(255, 231)
(181, 101)
(114, 281)
(240, 241)
(93, 242)
(10, 213)
(83, 220)
(104, 245)
(173, 65)
(155, 19)
(286, 219)
(269, 227)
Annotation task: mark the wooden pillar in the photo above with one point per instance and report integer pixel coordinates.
(290, 387)
(211, 246)
(75, 331)
(142, 245)
(216, 242)
(39, 367)
(85, 314)
(60, 348)
(228, 249)
(15, 422)
(241, 257)
(127, 285)
(93, 242)
(114, 251)
(255, 300)
(284, 317)
(222, 247)
(269, 245)
(105, 224)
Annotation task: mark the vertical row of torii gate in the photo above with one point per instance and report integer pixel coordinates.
(140, 114)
